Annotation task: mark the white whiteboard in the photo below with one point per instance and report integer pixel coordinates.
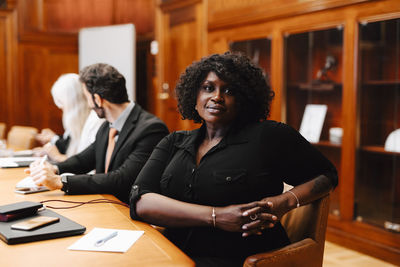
(114, 45)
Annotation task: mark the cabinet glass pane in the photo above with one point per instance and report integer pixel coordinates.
(314, 77)
(258, 50)
(377, 190)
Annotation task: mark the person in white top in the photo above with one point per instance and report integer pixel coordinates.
(79, 123)
(88, 135)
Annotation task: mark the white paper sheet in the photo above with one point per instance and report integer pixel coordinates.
(26, 182)
(312, 122)
(120, 243)
(23, 153)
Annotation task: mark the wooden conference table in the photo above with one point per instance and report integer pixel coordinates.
(152, 248)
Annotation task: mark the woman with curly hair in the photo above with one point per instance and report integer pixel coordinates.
(218, 189)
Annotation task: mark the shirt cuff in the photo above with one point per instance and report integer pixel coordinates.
(54, 139)
(134, 197)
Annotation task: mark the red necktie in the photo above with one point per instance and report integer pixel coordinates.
(111, 144)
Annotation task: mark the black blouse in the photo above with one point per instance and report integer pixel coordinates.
(248, 164)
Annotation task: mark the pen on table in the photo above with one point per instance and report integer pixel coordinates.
(100, 242)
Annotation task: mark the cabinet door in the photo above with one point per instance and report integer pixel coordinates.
(258, 50)
(377, 190)
(313, 82)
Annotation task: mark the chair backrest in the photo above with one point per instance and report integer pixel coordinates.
(306, 227)
(308, 221)
(2, 130)
(21, 137)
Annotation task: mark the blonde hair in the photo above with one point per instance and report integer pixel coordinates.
(68, 95)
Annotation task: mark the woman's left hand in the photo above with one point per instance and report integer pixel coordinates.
(272, 210)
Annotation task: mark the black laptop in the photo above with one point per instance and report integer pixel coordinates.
(64, 227)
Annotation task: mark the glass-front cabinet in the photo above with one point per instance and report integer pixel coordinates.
(313, 77)
(258, 50)
(377, 184)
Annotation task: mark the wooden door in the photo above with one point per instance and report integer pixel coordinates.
(7, 65)
(180, 42)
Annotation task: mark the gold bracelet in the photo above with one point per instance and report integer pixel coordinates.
(214, 217)
(298, 202)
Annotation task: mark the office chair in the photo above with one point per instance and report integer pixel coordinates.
(2, 130)
(21, 137)
(306, 227)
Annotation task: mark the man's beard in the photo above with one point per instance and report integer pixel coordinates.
(100, 112)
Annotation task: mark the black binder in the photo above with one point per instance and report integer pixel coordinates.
(65, 227)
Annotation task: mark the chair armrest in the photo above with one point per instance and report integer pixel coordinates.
(302, 253)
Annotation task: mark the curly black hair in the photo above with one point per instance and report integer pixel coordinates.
(253, 95)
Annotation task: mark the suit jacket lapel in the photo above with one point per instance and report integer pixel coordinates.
(128, 127)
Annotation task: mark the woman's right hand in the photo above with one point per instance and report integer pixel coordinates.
(231, 218)
(38, 152)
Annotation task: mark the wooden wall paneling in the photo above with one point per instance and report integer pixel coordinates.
(3, 68)
(201, 18)
(30, 16)
(40, 66)
(48, 40)
(8, 66)
(68, 16)
(11, 3)
(139, 12)
(217, 44)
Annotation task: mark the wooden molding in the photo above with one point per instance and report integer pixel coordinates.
(67, 39)
(223, 13)
(168, 5)
(68, 16)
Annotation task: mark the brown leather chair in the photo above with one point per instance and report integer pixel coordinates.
(2, 130)
(21, 137)
(306, 227)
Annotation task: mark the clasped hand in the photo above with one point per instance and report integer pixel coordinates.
(251, 218)
(44, 174)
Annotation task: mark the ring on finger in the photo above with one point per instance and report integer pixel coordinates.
(253, 217)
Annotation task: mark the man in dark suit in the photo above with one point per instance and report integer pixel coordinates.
(122, 146)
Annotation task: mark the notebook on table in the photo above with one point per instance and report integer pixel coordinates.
(62, 228)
